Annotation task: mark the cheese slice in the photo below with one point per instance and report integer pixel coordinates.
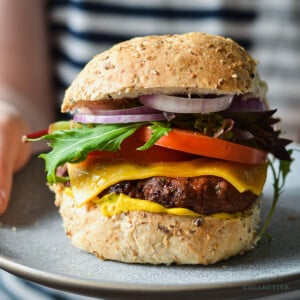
(90, 177)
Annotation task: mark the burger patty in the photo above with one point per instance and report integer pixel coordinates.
(203, 194)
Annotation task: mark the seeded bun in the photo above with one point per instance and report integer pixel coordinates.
(192, 63)
(186, 64)
(143, 237)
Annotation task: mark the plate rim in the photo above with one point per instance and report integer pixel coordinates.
(69, 283)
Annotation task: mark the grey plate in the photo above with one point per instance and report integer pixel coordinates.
(34, 246)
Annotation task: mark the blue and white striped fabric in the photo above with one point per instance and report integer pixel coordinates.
(269, 29)
(82, 29)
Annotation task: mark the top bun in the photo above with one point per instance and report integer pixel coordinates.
(193, 63)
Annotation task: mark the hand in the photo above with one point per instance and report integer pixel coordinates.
(25, 84)
(13, 153)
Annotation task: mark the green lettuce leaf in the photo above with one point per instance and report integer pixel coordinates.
(73, 145)
(158, 130)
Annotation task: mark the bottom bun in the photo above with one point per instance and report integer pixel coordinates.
(143, 237)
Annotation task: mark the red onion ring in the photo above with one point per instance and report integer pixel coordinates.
(186, 105)
(248, 104)
(113, 119)
(126, 111)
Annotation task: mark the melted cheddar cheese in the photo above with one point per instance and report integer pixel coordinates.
(90, 177)
(113, 204)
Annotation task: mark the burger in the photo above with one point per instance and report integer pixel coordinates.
(166, 156)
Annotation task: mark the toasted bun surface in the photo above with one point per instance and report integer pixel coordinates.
(143, 237)
(192, 63)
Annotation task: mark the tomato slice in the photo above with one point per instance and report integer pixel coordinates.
(199, 144)
(154, 154)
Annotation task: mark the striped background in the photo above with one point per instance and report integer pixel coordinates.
(268, 29)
